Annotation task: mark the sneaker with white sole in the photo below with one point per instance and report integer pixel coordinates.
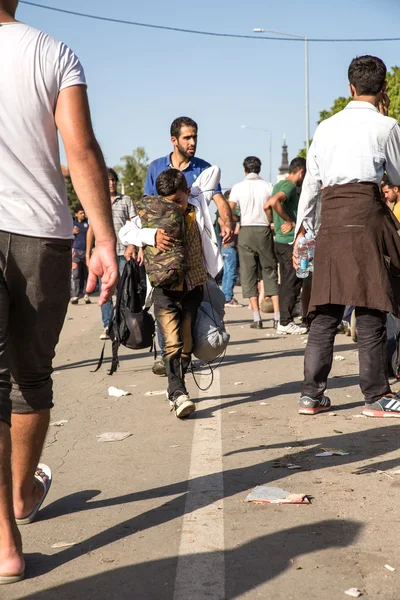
(87, 299)
(312, 406)
(386, 407)
(104, 335)
(74, 300)
(182, 405)
(291, 329)
(233, 303)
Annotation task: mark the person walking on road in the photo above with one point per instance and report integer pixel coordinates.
(357, 253)
(230, 257)
(42, 90)
(122, 211)
(184, 136)
(79, 265)
(255, 243)
(284, 202)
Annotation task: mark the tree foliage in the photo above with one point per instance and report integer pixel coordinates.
(133, 171)
(73, 200)
(393, 91)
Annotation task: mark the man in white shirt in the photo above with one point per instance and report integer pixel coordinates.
(42, 90)
(255, 242)
(357, 255)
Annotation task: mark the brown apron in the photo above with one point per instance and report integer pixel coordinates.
(357, 252)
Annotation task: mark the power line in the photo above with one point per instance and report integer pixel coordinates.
(209, 33)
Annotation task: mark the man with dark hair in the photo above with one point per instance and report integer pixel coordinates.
(284, 202)
(392, 197)
(184, 139)
(255, 242)
(43, 92)
(357, 254)
(123, 210)
(79, 266)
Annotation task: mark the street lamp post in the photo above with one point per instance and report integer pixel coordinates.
(300, 37)
(270, 145)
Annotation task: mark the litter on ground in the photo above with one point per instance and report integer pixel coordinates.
(353, 592)
(157, 393)
(330, 452)
(64, 544)
(59, 423)
(238, 382)
(389, 568)
(117, 393)
(338, 357)
(113, 436)
(263, 494)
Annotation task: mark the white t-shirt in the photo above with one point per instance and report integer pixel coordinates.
(34, 68)
(251, 194)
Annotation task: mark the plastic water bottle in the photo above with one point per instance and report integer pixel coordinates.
(311, 248)
(302, 251)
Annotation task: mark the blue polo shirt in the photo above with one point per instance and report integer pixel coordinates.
(192, 171)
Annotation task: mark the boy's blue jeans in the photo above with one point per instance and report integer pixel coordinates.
(230, 269)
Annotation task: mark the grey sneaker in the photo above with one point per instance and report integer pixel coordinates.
(182, 405)
(233, 303)
(158, 368)
(388, 406)
(74, 300)
(312, 406)
(104, 335)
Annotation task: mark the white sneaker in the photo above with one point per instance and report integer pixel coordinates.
(87, 299)
(104, 335)
(74, 300)
(291, 329)
(183, 406)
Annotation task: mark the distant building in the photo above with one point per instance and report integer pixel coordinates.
(284, 168)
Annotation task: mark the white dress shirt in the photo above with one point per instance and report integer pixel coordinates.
(251, 194)
(356, 145)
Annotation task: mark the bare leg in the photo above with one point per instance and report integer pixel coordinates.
(11, 560)
(255, 306)
(275, 303)
(28, 433)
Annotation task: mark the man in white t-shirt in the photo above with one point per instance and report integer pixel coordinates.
(42, 90)
(255, 242)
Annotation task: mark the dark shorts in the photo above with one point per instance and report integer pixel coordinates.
(34, 295)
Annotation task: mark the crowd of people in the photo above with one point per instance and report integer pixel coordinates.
(45, 258)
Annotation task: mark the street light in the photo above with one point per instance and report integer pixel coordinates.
(300, 37)
(270, 145)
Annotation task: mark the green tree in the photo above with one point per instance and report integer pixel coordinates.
(133, 172)
(393, 90)
(73, 200)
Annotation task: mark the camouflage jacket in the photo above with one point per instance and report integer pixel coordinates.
(164, 269)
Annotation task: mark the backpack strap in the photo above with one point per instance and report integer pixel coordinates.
(114, 361)
(100, 360)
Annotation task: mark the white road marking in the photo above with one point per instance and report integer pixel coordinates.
(203, 577)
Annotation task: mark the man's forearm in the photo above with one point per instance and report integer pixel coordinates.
(224, 209)
(277, 206)
(89, 177)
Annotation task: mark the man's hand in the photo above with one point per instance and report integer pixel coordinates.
(130, 252)
(288, 226)
(163, 241)
(103, 264)
(226, 233)
(75, 230)
(140, 257)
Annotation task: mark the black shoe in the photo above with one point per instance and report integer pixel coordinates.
(256, 325)
(312, 406)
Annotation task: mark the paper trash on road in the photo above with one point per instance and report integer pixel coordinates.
(64, 544)
(353, 592)
(389, 568)
(157, 393)
(338, 357)
(264, 494)
(117, 393)
(238, 383)
(331, 452)
(59, 423)
(113, 436)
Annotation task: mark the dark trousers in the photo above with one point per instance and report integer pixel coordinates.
(290, 284)
(372, 349)
(176, 314)
(79, 272)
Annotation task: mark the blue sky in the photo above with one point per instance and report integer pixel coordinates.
(141, 79)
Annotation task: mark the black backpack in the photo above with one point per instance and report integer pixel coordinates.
(131, 325)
